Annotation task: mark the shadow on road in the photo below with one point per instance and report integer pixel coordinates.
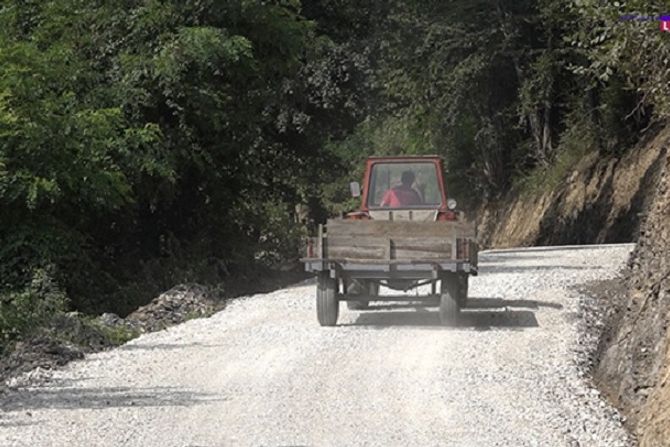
(14, 423)
(480, 314)
(499, 303)
(491, 267)
(481, 320)
(165, 346)
(473, 303)
(46, 397)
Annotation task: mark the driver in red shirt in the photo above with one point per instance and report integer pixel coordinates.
(403, 194)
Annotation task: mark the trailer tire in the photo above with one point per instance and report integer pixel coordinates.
(327, 302)
(462, 290)
(362, 286)
(449, 300)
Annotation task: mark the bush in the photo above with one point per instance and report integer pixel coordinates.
(579, 139)
(24, 311)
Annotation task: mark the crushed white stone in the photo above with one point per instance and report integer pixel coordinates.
(263, 373)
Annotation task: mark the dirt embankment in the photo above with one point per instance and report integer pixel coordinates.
(634, 358)
(616, 199)
(600, 201)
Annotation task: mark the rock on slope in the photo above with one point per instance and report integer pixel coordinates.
(598, 202)
(634, 367)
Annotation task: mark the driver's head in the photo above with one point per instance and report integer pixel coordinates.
(407, 178)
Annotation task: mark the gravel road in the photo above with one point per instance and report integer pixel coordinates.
(263, 373)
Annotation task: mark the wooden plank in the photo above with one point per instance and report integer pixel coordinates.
(339, 240)
(390, 249)
(358, 252)
(443, 248)
(376, 226)
(409, 255)
(421, 241)
(387, 262)
(377, 241)
(442, 251)
(400, 228)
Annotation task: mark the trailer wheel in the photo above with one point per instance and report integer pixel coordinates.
(462, 290)
(449, 299)
(362, 286)
(327, 302)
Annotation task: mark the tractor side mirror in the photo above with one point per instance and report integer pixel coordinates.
(355, 188)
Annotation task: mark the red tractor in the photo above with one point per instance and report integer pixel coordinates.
(406, 234)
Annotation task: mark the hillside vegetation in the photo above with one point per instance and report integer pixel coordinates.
(147, 143)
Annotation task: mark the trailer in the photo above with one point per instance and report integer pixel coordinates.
(406, 234)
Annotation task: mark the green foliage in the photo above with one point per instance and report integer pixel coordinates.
(116, 335)
(631, 55)
(148, 143)
(498, 101)
(579, 139)
(23, 311)
(143, 144)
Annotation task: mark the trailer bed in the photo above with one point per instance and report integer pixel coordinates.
(394, 247)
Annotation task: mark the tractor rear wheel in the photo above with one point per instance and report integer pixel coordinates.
(449, 299)
(327, 302)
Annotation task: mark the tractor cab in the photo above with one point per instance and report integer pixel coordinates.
(403, 188)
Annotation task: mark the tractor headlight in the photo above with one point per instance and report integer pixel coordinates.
(452, 204)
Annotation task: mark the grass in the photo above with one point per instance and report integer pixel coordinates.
(575, 144)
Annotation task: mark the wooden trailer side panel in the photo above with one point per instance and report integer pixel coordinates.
(392, 241)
